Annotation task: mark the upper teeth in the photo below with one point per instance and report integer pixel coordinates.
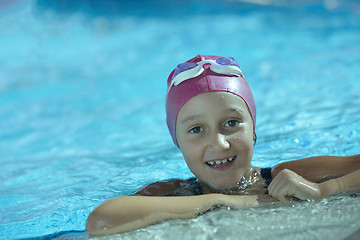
(230, 159)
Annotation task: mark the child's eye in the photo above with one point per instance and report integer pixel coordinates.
(232, 123)
(196, 130)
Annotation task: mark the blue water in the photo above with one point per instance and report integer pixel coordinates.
(82, 89)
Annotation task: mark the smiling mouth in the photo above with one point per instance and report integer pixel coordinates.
(220, 163)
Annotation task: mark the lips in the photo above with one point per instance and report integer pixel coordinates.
(220, 163)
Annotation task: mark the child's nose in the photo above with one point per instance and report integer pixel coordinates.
(219, 142)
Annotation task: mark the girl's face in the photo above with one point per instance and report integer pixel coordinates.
(215, 134)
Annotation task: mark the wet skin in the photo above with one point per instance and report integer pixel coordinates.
(215, 134)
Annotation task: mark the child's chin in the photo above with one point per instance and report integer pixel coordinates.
(223, 186)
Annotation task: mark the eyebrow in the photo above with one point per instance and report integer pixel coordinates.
(232, 110)
(190, 118)
(226, 111)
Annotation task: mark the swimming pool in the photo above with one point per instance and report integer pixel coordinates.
(82, 108)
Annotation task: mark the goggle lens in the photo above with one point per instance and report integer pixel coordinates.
(227, 61)
(184, 67)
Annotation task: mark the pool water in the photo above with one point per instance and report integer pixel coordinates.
(82, 90)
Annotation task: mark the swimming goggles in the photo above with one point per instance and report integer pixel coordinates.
(187, 70)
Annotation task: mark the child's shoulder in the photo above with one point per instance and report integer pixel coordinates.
(172, 187)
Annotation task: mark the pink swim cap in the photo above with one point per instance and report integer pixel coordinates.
(207, 81)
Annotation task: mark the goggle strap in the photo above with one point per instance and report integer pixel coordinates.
(196, 71)
(191, 73)
(230, 70)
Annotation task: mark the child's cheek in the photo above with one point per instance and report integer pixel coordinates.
(190, 150)
(241, 139)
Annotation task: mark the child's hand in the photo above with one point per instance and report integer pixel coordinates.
(288, 184)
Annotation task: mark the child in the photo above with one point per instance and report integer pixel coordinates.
(211, 116)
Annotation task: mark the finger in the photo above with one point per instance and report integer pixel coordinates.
(273, 184)
(287, 193)
(277, 187)
(281, 177)
(279, 193)
(276, 192)
(273, 188)
(281, 198)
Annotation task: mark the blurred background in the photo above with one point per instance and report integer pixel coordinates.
(82, 93)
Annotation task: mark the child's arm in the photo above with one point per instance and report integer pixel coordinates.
(298, 179)
(317, 169)
(131, 212)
